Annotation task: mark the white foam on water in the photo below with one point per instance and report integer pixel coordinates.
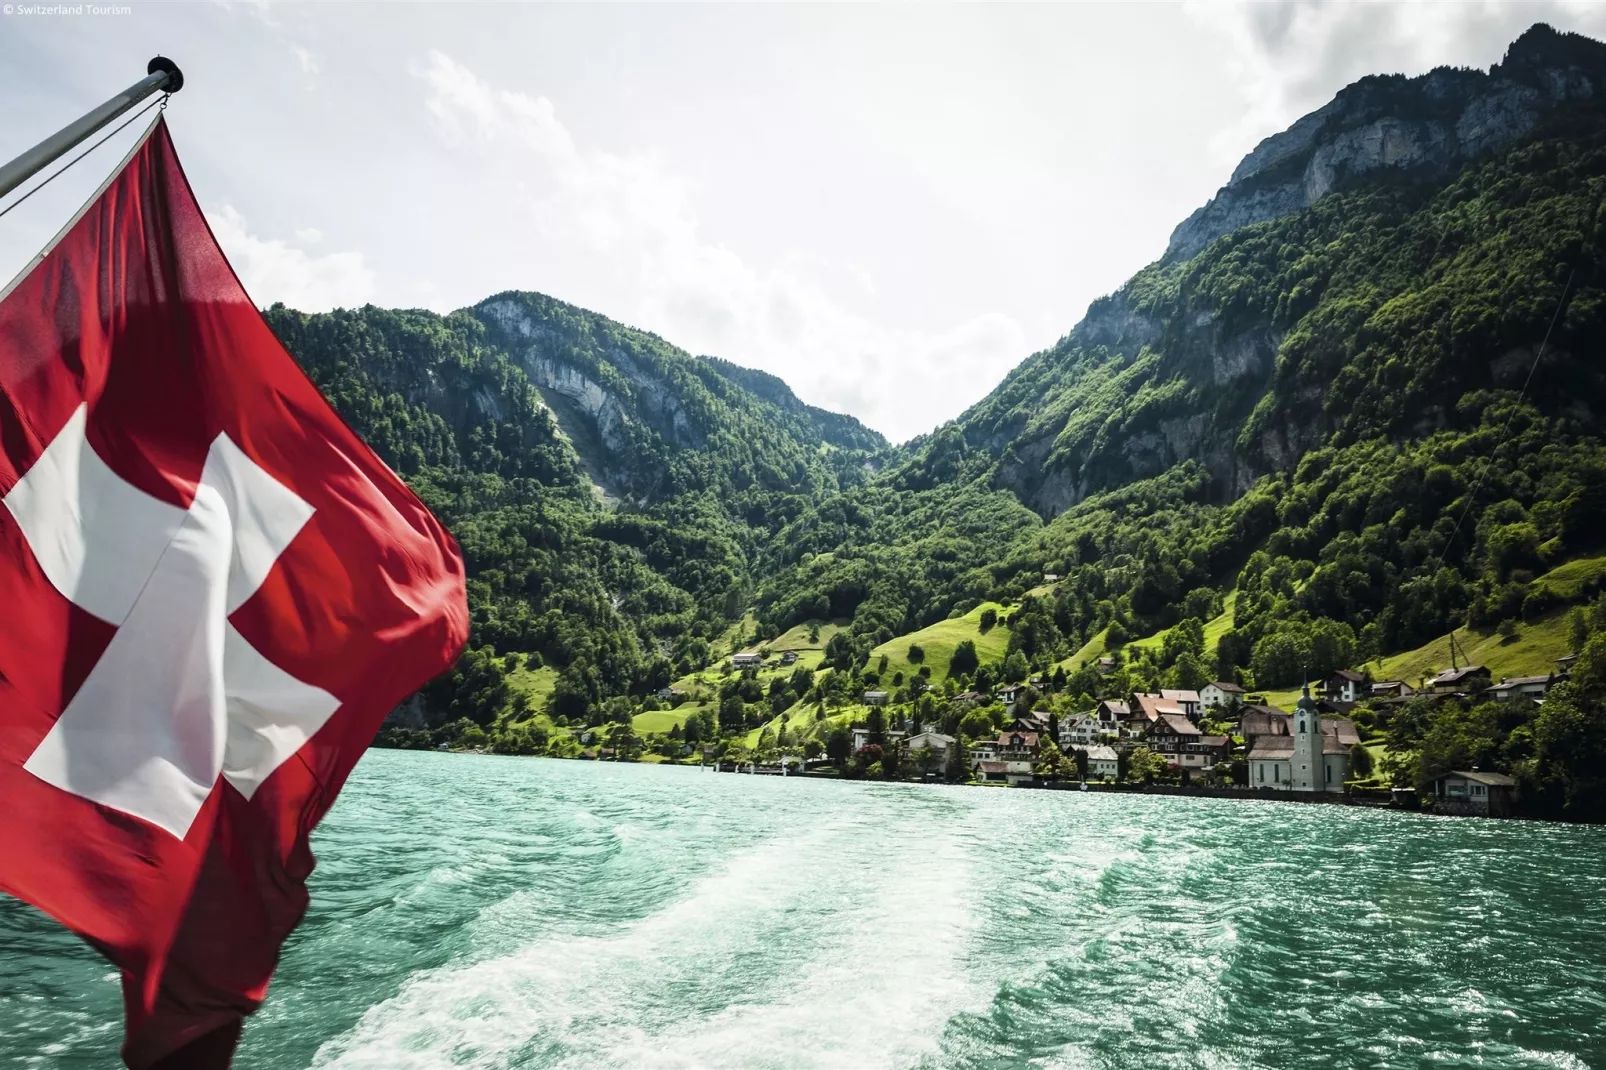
(840, 947)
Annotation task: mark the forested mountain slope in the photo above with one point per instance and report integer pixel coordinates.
(1341, 411)
(504, 416)
(1332, 427)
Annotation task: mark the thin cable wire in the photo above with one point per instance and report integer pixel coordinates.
(1505, 432)
(162, 101)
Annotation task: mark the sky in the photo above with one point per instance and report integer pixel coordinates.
(887, 206)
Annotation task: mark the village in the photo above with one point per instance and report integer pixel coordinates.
(1217, 740)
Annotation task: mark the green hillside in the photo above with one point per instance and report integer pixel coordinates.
(938, 642)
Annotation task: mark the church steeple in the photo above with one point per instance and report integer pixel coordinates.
(1308, 772)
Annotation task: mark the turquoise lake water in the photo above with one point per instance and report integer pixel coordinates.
(514, 912)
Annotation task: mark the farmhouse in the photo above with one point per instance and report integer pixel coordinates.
(1392, 689)
(788, 657)
(875, 698)
(746, 661)
(1188, 700)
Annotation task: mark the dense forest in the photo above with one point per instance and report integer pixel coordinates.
(1321, 440)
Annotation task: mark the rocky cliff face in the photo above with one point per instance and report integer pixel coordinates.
(1427, 125)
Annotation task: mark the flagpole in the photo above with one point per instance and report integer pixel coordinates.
(162, 76)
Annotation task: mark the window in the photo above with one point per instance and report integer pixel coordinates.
(1276, 774)
(1262, 772)
(1302, 726)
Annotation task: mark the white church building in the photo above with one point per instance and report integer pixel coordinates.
(1306, 755)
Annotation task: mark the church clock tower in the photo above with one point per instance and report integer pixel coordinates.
(1307, 771)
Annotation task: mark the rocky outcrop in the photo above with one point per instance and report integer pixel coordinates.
(1428, 125)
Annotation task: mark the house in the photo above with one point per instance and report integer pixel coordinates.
(670, 694)
(875, 698)
(992, 771)
(788, 657)
(1528, 687)
(1301, 752)
(1009, 693)
(970, 698)
(1015, 745)
(1347, 685)
(1188, 700)
(1564, 666)
(746, 661)
(1105, 665)
(1146, 709)
(1473, 794)
(1034, 721)
(1175, 739)
(1102, 763)
(984, 750)
(861, 737)
(1393, 689)
(1220, 693)
(938, 744)
(1085, 730)
(1460, 681)
(1051, 577)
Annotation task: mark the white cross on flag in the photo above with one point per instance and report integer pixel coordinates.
(211, 592)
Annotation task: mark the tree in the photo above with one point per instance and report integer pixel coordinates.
(1144, 766)
(876, 724)
(1051, 764)
(1578, 629)
(917, 654)
(1015, 667)
(839, 746)
(964, 662)
(989, 619)
(958, 768)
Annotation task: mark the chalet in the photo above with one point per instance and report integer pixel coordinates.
(746, 661)
(1084, 730)
(670, 694)
(788, 657)
(1015, 745)
(1528, 687)
(1168, 736)
(970, 698)
(1564, 666)
(1464, 680)
(1105, 665)
(875, 698)
(1473, 794)
(1051, 577)
(1113, 711)
(1221, 693)
(1302, 752)
(1347, 685)
(984, 750)
(1397, 689)
(1188, 700)
(1009, 693)
(1103, 763)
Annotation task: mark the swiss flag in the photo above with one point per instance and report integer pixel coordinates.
(211, 592)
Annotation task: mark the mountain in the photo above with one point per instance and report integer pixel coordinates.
(1363, 390)
(1357, 405)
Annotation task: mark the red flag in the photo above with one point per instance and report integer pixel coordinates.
(211, 592)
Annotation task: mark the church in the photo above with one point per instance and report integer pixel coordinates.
(1302, 752)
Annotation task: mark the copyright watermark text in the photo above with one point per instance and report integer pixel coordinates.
(66, 10)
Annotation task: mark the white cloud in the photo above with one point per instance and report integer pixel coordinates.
(273, 270)
(634, 219)
(309, 235)
(1290, 59)
(308, 62)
